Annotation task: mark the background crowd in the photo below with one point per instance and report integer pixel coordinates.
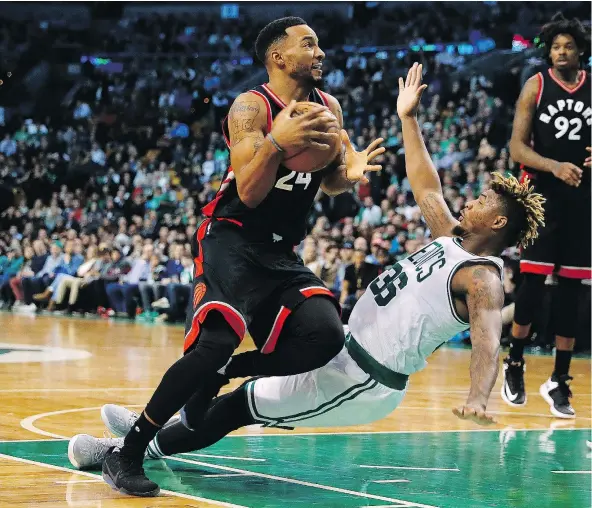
(100, 196)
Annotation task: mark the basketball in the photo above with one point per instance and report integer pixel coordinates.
(309, 160)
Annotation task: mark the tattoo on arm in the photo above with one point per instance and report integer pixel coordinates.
(438, 218)
(241, 121)
(484, 301)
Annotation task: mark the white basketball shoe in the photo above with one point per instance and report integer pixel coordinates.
(87, 452)
(118, 419)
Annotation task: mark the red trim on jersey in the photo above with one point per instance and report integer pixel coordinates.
(284, 313)
(274, 97)
(209, 208)
(234, 221)
(230, 314)
(575, 272)
(198, 261)
(541, 86)
(569, 90)
(323, 97)
(316, 290)
(537, 267)
(269, 117)
(276, 329)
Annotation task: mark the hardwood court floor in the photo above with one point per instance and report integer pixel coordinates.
(55, 373)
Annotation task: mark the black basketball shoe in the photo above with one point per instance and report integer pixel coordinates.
(126, 475)
(513, 392)
(557, 393)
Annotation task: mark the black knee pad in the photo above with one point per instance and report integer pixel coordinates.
(529, 298)
(565, 304)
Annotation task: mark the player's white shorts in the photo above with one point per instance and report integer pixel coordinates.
(338, 394)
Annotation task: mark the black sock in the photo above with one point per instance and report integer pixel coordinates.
(562, 361)
(517, 349)
(227, 413)
(138, 437)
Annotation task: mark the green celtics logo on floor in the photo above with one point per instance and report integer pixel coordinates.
(26, 353)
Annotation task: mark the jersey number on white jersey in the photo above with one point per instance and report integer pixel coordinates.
(384, 287)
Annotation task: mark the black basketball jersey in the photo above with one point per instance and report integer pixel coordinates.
(562, 122)
(281, 216)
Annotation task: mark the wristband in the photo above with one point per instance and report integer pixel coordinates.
(275, 143)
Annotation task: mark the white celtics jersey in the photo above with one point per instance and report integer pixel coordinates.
(408, 311)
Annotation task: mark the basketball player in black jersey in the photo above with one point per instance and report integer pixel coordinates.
(551, 138)
(246, 272)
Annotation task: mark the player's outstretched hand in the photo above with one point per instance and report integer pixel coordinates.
(410, 92)
(569, 173)
(588, 161)
(358, 163)
(306, 130)
(475, 414)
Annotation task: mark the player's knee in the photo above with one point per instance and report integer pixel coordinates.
(215, 345)
(325, 326)
(565, 306)
(529, 298)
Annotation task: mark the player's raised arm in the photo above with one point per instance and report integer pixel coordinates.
(422, 175)
(485, 298)
(520, 144)
(255, 156)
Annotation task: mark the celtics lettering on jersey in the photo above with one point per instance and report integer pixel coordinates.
(571, 127)
(426, 261)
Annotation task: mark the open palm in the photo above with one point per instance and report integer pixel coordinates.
(358, 163)
(410, 92)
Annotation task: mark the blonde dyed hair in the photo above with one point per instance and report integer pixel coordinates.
(531, 201)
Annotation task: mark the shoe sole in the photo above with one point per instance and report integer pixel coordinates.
(109, 481)
(71, 458)
(545, 395)
(506, 399)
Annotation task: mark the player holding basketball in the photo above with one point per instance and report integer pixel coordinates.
(407, 313)
(550, 137)
(246, 272)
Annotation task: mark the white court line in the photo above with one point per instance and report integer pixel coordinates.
(67, 482)
(391, 481)
(226, 475)
(384, 506)
(28, 424)
(207, 456)
(572, 472)
(83, 390)
(94, 476)
(300, 482)
(447, 410)
(411, 468)
(224, 390)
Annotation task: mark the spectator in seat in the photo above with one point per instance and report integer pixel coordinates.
(357, 277)
(42, 279)
(122, 295)
(30, 268)
(10, 265)
(71, 261)
(327, 268)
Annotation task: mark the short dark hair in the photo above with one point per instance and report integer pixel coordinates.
(560, 25)
(274, 32)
